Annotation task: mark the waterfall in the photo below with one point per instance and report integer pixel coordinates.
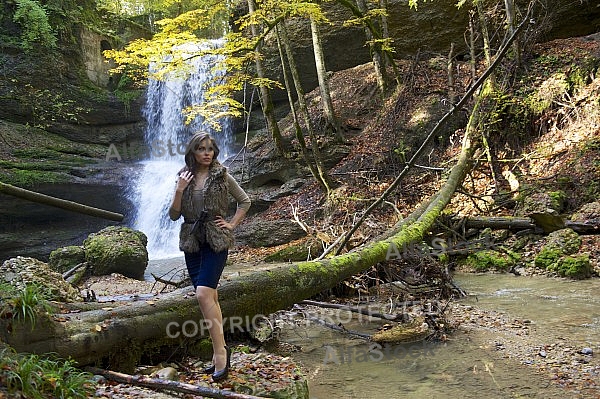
(165, 138)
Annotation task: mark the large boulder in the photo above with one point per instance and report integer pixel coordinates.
(22, 271)
(117, 250)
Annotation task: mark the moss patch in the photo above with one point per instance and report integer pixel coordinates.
(117, 249)
(30, 156)
(565, 240)
(491, 260)
(63, 259)
(577, 267)
(558, 255)
(547, 257)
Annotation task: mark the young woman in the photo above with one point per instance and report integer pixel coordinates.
(202, 198)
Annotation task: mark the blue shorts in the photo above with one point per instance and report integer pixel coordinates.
(205, 266)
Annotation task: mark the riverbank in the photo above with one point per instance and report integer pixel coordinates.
(535, 336)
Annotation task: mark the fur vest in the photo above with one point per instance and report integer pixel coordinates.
(216, 201)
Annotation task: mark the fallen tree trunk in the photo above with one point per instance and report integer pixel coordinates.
(516, 223)
(58, 202)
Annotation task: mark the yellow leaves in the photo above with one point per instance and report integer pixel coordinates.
(214, 110)
(189, 21)
(326, 238)
(373, 14)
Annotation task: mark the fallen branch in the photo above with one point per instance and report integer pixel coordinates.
(355, 309)
(58, 202)
(176, 284)
(515, 223)
(338, 327)
(70, 272)
(168, 385)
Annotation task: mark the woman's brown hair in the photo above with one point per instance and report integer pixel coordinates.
(193, 145)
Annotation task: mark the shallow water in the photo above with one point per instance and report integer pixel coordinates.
(465, 366)
(557, 307)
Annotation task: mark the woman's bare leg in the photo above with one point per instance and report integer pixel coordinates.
(208, 299)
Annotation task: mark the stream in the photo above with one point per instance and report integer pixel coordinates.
(473, 362)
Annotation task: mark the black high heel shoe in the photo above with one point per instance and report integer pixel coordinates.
(208, 370)
(222, 374)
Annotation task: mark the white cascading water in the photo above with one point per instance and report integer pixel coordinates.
(166, 136)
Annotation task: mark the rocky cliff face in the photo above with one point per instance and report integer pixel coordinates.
(69, 93)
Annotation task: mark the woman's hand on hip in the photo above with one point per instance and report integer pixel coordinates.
(222, 223)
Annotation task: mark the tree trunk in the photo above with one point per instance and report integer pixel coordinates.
(158, 384)
(323, 177)
(510, 19)
(451, 86)
(375, 52)
(472, 52)
(332, 121)
(58, 203)
(265, 94)
(373, 33)
(487, 47)
(516, 223)
(298, 130)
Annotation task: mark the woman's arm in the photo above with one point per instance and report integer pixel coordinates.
(243, 204)
(182, 182)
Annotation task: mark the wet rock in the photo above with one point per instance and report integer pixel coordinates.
(268, 233)
(565, 240)
(587, 212)
(545, 209)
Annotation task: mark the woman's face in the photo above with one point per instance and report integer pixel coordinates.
(204, 153)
